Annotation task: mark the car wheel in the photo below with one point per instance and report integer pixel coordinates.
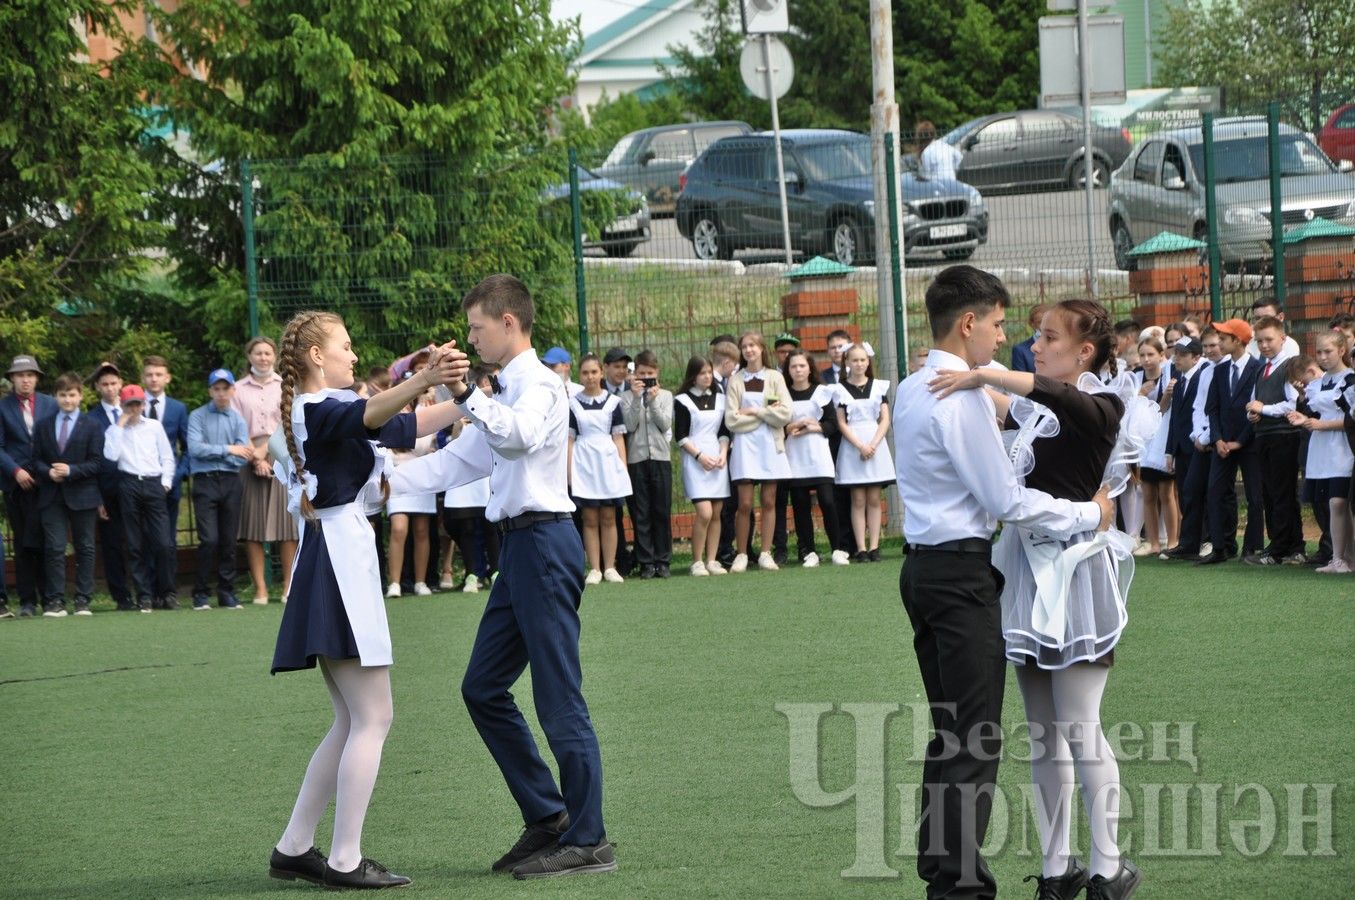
(846, 242)
(1100, 174)
(707, 239)
(620, 250)
(1123, 243)
(960, 254)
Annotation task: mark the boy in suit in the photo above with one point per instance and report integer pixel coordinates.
(67, 456)
(112, 541)
(173, 417)
(20, 411)
(1232, 435)
(218, 445)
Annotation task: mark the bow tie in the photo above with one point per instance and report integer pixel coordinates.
(499, 387)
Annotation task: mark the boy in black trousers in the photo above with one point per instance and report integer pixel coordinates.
(67, 456)
(648, 412)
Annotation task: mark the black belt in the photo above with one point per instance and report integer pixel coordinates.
(140, 477)
(963, 545)
(528, 519)
(217, 473)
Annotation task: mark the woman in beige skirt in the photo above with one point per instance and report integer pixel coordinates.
(263, 507)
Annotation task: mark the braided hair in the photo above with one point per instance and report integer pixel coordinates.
(305, 330)
(1089, 322)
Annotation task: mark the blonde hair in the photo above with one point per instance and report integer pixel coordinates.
(1342, 342)
(305, 330)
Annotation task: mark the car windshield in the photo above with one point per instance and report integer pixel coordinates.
(955, 135)
(1248, 159)
(618, 154)
(831, 162)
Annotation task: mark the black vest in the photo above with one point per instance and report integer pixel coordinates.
(1270, 391)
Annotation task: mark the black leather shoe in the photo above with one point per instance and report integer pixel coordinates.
(564, 860)
(647, 573)
(27, 610)
(169, 601)
(369, 875)
(536, 839)
(1211, 559)
(309, 866)
(661, 571)
(1182, 553)
(1060, 887)
(874, 555)
(1125, 882)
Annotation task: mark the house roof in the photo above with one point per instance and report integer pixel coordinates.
(638, 20)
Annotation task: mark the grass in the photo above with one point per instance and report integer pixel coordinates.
(153, 756)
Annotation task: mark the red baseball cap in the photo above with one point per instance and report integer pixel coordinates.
(132, 393)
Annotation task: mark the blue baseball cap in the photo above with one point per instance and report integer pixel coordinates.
(556, 355)
(220, 375)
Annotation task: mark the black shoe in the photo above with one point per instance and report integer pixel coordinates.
(646, 573)
(1260, 559)
(169, 601)
(146, 604)
(861, 556)
(54, 609)
(202, 602)
(779, 557)
(369, 875)
(1211, 559)
(1060, 887)
(82, 608)
(5, 612)
(309, 866)
(661, 571)
(568, 860)
(230, 601)
(1179, 552)
(1314, 562)
(874, 555)
(27, 610)
(536, 839)
(127, 606)
(1125, 882)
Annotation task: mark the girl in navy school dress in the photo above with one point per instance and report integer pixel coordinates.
(700, 433)
(335, 471)
(865, 464)
(598, 480)
(1327, 473)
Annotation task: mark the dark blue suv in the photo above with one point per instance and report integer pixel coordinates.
(730, 201)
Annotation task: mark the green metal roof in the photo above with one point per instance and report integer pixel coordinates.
(1318, 228)
(1167, 242)
(819, 267)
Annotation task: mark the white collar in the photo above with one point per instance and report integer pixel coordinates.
(522, 360)
(940, 359)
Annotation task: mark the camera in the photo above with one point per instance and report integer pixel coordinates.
(650, 382)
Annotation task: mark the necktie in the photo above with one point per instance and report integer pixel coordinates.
(112, 416)
(64, 435)
(26, 408)
(1232, 386)
(153, 414)
(1266, 373)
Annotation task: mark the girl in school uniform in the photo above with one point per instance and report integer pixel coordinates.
(335, 472)
(463, 513)
(757, 411)
(598, 480)
(1160, 511)
(813, 423)
(700, 433)
(1327, 475)
(866, 464)
(410, 515)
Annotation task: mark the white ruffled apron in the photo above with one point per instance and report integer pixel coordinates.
(1052, 565)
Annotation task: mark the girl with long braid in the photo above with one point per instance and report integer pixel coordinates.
(1063, 602)
(335, 471)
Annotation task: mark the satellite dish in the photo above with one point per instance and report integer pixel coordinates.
(753, 68)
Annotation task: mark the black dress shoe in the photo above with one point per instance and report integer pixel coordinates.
(1182, 553)
(646, 573)
(1125, 882)
(369, 875)
(874, 555)
(1211, 559)
(661, 571)
(1060, 887)
(309, 866)
(536, 839)
(27, 610)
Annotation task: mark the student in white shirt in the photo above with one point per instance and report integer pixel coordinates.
(1330, 460)
(146, 465)
(956, 483)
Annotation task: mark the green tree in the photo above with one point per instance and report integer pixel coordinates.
(397, 148)
(1299, 52)
(706, 77)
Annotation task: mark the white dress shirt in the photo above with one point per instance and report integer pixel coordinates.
(940, 160)
(1289, 348)
(954, 477)
(518, 439)
(141, 449)
(111, 414)
(1199, 422)
(1291, 394)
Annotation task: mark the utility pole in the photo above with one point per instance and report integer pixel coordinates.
(884, 117)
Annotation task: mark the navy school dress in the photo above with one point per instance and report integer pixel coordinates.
(344, 467)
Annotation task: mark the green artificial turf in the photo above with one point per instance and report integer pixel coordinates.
(153, 755)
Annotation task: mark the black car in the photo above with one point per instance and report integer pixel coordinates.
(652, 160)
(1036, 148)
(730, 200)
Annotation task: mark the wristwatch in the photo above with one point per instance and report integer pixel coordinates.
(464, 395)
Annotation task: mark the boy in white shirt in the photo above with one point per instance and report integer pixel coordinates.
(146, 465)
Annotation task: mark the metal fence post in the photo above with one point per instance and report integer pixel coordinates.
(1212, 222)
(896, 260)
(1276, 203)
(576, 216)
(251, 264)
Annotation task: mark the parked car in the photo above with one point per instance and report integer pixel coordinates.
(1036, 148)
(1160, 187)
(651, 160)
(1337, 137)
(627, 231)
(730, 200)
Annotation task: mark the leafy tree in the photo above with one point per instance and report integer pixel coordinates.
(706, 77)
(1299, 52)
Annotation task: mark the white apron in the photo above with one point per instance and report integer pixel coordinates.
(754, 455)
(810, 455)
(697, 483)
(596, 471)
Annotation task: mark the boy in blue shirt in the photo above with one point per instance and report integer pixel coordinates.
(218, 445)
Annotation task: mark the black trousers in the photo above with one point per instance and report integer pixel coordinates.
(21, 508)
(651, 507)
(1222, 491)
(114, 543)
(952, 600)
(476, 539)
(150, 547)
(57, 522)
(804, 515)
(779, 532)
(1192, 485)
(1278, 458)
(216, 506)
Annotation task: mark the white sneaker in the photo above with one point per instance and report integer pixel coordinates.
(1206, 549)
(1335, 567)
(613, 576)
(841, 558)
(811, 561)
(765, 561)
(593, 577)
(447, 583)
(263, 601)
(393, 590)
(740, 564)
(699, 569)
(421, 589)
(1145, 549)
(714, 568)
(472, 584)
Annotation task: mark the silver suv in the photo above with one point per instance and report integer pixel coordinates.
(1160, 187)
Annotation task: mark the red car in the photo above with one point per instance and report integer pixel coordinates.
(1337, 137)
